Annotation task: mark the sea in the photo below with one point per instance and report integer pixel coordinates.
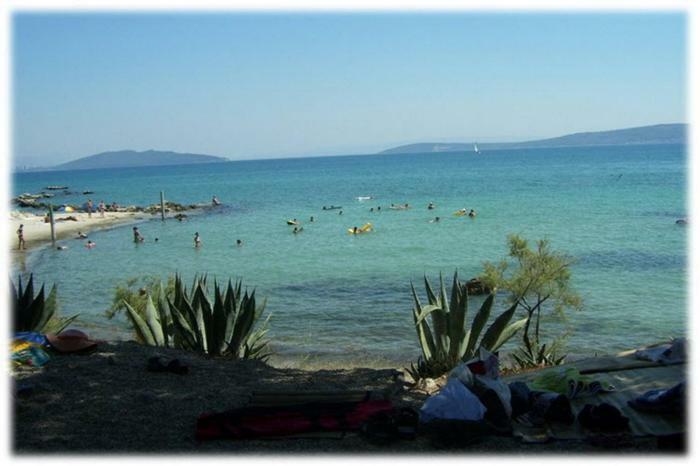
(346, 299)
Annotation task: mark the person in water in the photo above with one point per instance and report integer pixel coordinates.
(82, 235)
(197, 240)
(239, 242)
(354, 230)
(379, 207)
(90, 244)
(340, 212)
(371, 209)
(20, 238)
(215, 200)
(156, 240)
(137, 236)
(311, 219)
(472, 213)
(431, 206)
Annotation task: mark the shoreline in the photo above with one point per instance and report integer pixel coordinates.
(37, 233)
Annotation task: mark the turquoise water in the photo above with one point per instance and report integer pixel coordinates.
(345, 296)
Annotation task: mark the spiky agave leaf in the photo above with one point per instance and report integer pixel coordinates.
(480, 319)
(425, 336)
(491, 337)
(143, 331)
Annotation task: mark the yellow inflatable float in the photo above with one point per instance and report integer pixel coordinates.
(460, 213)
(363, 229)
(292, 222)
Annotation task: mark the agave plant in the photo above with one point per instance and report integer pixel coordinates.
(36, 313)
(190, 320)
(446, 341)
(535, 355)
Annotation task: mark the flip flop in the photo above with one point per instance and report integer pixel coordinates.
(155, 364)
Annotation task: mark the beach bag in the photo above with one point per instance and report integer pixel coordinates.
(454, 401)
(481, 374)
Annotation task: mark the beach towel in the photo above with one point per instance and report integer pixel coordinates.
(280, 421)
(27, 353)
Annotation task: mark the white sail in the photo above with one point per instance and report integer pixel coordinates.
(476, 148)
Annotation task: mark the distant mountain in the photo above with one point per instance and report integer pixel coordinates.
(130, 158)
(657, 134)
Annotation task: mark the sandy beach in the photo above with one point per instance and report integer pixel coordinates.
(38, 232)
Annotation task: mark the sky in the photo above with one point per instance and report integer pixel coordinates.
(248, 86)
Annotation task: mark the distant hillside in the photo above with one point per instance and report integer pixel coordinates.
(657, 134)
(130, 158)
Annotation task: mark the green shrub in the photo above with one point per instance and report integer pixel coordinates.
(533, 277)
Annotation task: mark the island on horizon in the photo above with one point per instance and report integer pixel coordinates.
(674, 133)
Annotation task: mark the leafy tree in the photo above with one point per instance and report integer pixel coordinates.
(533, 277)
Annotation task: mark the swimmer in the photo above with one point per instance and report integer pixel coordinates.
(137, 236)
(472, 213)
(431, 206)
(215, 201)
(61, 248)
(298, 230)
(354, 230)
(197, 240)
(90, 244)
(435, 220)
(239, 242)
(156, 240)
(311, 219)
(340, 213)
(371, 209)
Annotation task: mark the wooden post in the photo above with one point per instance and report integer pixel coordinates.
(53, 226)
(162, 206)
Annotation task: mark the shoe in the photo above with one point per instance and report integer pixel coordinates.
(603, 418)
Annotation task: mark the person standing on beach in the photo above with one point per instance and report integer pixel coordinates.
(197, 240)
(20, 238)
(89, 208)
(101, 208)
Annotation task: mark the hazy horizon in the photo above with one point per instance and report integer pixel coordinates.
(249, 86)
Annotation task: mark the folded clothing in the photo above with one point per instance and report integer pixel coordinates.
(670, 353)
(277, 421)
(670, 400)
(569, 382)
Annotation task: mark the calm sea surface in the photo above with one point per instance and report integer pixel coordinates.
(336, 295)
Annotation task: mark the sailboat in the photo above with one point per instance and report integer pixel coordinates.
(476, 149)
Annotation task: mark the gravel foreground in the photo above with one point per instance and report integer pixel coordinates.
(107, 402)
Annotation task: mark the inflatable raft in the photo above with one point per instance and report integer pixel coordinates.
(363, 229)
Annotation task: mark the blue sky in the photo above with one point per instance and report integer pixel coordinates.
(275, 85)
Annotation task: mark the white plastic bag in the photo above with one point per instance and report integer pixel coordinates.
(454, 401)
